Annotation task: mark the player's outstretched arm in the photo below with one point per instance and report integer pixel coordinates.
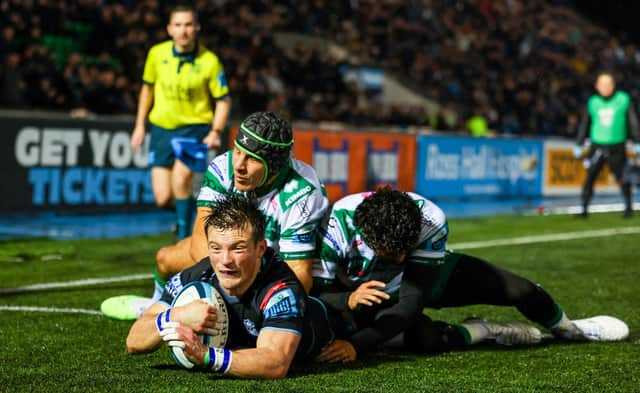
(271, 359)
(144, 336)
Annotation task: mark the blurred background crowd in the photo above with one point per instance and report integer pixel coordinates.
(523, 66)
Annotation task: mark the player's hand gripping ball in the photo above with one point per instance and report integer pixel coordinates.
(206, 292)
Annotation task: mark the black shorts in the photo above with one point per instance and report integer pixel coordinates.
(160, 151)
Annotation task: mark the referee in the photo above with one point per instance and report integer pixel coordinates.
(609, 120)
(181, 77)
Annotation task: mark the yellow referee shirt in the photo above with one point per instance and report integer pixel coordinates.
(183, 85)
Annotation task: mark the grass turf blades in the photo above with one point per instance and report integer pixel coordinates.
(59, 352)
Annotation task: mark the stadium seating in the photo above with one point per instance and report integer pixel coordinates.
(524, 66)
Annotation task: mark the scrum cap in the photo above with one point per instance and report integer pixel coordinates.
(268, 138)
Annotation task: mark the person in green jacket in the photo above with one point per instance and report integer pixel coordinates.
(609, 121)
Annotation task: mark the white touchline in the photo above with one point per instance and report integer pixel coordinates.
(70, 284)
(454, 246)
(545, 238)
(50, 309)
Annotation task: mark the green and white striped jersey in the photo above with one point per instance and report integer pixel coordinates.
(293, 205)
(344, 250)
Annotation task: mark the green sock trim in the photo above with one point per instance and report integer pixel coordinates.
(157, 278)
(556, 318)
(465, 333)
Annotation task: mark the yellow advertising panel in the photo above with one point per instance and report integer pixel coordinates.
(564, 174)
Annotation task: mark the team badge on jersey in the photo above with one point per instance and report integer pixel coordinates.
(214, 167)
(250, 327)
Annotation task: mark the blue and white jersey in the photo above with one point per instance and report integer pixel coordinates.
(293, 205)
(342, 245)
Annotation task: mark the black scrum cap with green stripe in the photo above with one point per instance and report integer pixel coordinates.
(268, 138)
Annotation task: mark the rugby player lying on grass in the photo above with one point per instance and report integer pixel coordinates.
(271, 319)
(384, 258)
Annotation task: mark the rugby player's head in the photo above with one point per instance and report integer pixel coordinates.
(237, 212)
(235, 240)
(267, 138)
(390, 223)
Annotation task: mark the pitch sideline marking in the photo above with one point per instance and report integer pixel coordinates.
(454, 246)
(51, 309)
(71, 284)
(546, 238)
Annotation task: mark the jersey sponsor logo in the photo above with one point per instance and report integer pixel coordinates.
(326, 235)
(250, 327)
(174, 285)
(303, 238)
(214, 167)
(297, 196)
(290, 186)
(294, 190)
(334, 243)
(297, 255)
(281, 305)
(303, 235)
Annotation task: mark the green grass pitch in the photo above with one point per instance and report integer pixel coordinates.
(62, 352)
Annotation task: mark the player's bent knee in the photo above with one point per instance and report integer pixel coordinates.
(173, 259)
(163, 262)
(522, 291)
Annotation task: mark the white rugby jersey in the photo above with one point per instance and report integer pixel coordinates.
(293, 205)
(342, 244)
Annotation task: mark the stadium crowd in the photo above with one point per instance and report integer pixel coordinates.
(525, 66)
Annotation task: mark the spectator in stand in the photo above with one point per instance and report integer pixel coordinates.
(509, 55)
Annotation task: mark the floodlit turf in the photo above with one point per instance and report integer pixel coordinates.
(52, 352)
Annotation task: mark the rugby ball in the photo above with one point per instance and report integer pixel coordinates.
(205, 291)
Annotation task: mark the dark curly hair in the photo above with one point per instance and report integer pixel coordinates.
(390, 221)
(236, 211)
(268, 138)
